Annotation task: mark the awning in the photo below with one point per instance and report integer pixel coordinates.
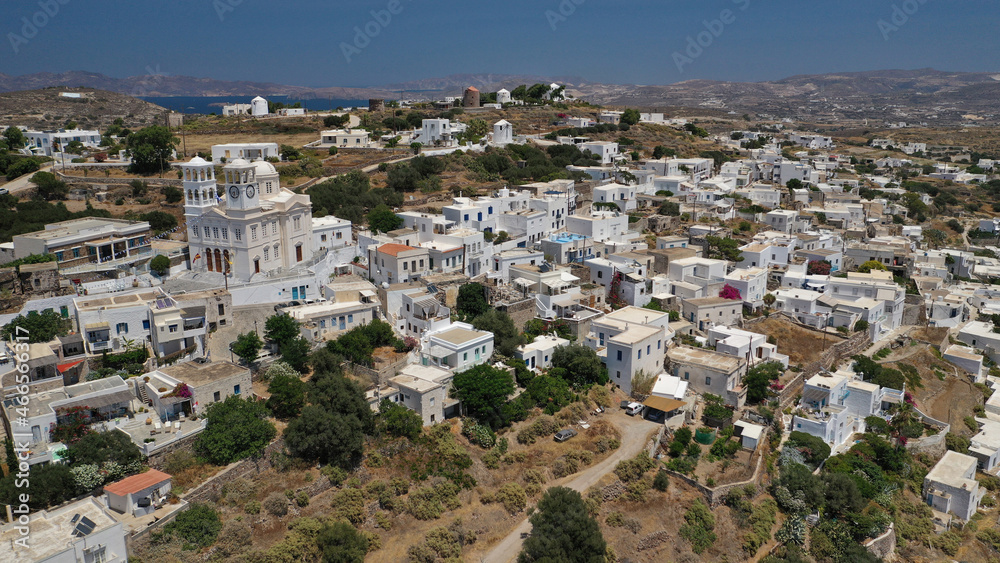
(522, 281)
(664, 404)
(64, 367)
(101, 401)
(97, 326)
(568, 277)
(367, 293)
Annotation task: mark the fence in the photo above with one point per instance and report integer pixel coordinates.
(715, 495)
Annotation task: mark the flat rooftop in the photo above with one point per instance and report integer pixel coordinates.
(123, 300)
(706, 358)
(97, 226)
(459, 335)
(951, 470)
(197, 374)
(52, 532)
(636, 333)
(636, 315)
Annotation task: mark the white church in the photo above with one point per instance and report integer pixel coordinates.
(247, 226)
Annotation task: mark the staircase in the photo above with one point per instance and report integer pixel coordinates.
(143, 396)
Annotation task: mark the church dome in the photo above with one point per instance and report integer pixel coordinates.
(197, 160)
(237, 162)
(264, 168)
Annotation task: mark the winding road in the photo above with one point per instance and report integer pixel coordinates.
(636, 434)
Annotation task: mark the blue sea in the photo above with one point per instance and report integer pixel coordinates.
(213, 104)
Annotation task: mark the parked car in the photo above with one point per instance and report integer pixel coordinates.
(633, 409)
(565, 434)
(3, 191)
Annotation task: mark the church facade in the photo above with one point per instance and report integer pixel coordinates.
(247, 226)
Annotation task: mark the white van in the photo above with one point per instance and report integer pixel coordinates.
(633, 409)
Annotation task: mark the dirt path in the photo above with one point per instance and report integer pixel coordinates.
(636, 434)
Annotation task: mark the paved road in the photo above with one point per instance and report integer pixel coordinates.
(24, 182)
(635, 436)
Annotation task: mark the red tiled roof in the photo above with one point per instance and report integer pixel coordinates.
(393, 249)
(63, 367)
(472, 89)
(136, 483)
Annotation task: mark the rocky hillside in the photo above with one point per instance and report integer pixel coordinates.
(94, 109)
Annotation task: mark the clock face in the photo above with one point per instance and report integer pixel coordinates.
(234, 192)
(250, 192)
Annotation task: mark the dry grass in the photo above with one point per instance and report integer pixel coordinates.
(949, 400)
(802, 345)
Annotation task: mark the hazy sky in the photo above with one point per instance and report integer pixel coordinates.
(315, 43)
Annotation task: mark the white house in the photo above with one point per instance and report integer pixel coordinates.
(83, 530)
(951, 486)
(605, 151)
(330, 233)
(537, 355)
(43, 141)
(707, 371)
(458, 347)
(424, 390)
(247, 151)
(345, 138)
(139, 494)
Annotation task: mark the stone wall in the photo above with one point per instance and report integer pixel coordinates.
(715, 496)
(158, 458)
(521, 312)
(97, 180)
(883, 546)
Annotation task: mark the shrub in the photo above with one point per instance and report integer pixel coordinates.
(698, 527)
(302, 499)
(349, 504)
(606, 443)
(198, 526)
(276, 504)
(512, 496)
(661, 482)
(252, 507)
(632, 469)
(542, 426)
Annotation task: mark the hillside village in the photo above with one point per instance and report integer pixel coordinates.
(384, 333)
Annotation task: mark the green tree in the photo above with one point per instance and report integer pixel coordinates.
(660, 151)
(172, 194)
(483, 391)
(339, 542)
(198, 526)
(871, 265)
(21, 167)
(295, 353)
(150, 149)
(581, 364)
(477, 128)
(49, 485)
(471, 300)
(397, 420)
(236, 429)
(506, 337)
(49, 186)
(630, 116)
(670, 209)
(100, 447)
(724, 248)
(327, 437)
(759, 378)
(382, 219)
(247, 347)
(288, 396)
(159, 221)
(15, 137)
(160, 264)
(281, 328)
(563, 530)
(38, 327)
(340, 395)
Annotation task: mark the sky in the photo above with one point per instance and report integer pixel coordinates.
(356, 43)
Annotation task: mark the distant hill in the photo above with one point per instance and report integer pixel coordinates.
(93, 109)
(923, 95)
(164, 85)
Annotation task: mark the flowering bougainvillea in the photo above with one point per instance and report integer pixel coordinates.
(72, 424)
(182, 390)
(730, 292)
(615, 299)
